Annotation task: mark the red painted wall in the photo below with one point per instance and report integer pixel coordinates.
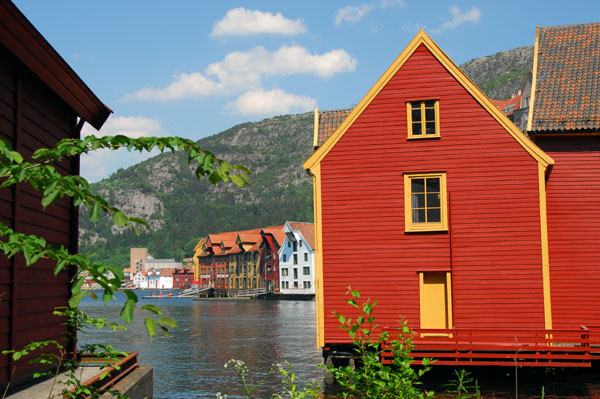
(573, 198)
(494, 210)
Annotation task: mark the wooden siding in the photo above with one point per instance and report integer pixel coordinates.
(32, 116)
(493, 246)
(573, 198)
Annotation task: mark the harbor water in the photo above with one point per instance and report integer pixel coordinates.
(188, 363)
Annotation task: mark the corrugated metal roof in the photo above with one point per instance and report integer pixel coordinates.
(567, 88)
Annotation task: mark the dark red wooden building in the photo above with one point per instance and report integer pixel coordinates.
(430, 200)
(42, 100)
(272, 239)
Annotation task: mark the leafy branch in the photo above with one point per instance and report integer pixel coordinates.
(42, 174)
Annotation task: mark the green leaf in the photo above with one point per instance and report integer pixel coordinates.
(119, 218)
(106, 297)
(17, 355)
(167, 321)
(238, 181)
(76, 298)
(127, 311)
(152, 308)
(50, 198)
(93, 295)
(76, 287)
(95, 213)
(131, 295)
(150, 325)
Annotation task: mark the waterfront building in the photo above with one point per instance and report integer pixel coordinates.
(430, 200)
(271, 240)
(249, 242)
(43, 101)
(183, 277)
(234, 270)
(297, 259)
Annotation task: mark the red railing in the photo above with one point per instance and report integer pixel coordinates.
(507, 347)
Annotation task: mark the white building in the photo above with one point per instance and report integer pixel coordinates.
(140, 279)
(297, 259)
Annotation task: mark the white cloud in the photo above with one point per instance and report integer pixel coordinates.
(185, 85)
(354, 14)
(392, 3)
(271, 102)
(243, 70)
(99, 164)
(243, 22)
(459, 18)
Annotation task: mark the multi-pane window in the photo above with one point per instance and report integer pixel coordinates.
(306, 271)
(284, 271)
(295, 259)
(423, 119)
(284, 257)
(425, 202)
(307, 285)
(305, 257)
(295, 273)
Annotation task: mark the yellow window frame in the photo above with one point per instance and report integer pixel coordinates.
(423, 121)
(411, 226)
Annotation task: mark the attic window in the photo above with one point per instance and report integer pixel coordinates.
(423, 119)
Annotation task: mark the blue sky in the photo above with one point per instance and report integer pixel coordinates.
(195, 68)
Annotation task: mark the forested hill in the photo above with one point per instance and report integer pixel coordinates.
(182, 209)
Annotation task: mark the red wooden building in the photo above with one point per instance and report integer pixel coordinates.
(430, 200)
(183, 277)
(272, 239)
(564, 121)
(42, 100)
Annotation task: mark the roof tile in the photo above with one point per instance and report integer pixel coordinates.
(567, 92)
(329, 121)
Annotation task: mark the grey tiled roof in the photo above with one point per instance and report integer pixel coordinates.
(567, 92)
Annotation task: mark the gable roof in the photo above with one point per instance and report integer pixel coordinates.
(423, 39)
(24, 41)
(307, 230)
(566, 86)
(276, 232)
(508, 107)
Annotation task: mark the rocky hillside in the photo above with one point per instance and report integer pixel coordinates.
(181, 209)
(501, 75)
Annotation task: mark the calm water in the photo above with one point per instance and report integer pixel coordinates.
(189, 362)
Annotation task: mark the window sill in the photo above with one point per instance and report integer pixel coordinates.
(427, 137)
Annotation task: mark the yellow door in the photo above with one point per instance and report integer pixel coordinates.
(436, 308)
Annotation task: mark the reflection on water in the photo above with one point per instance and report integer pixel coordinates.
(189, 362)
